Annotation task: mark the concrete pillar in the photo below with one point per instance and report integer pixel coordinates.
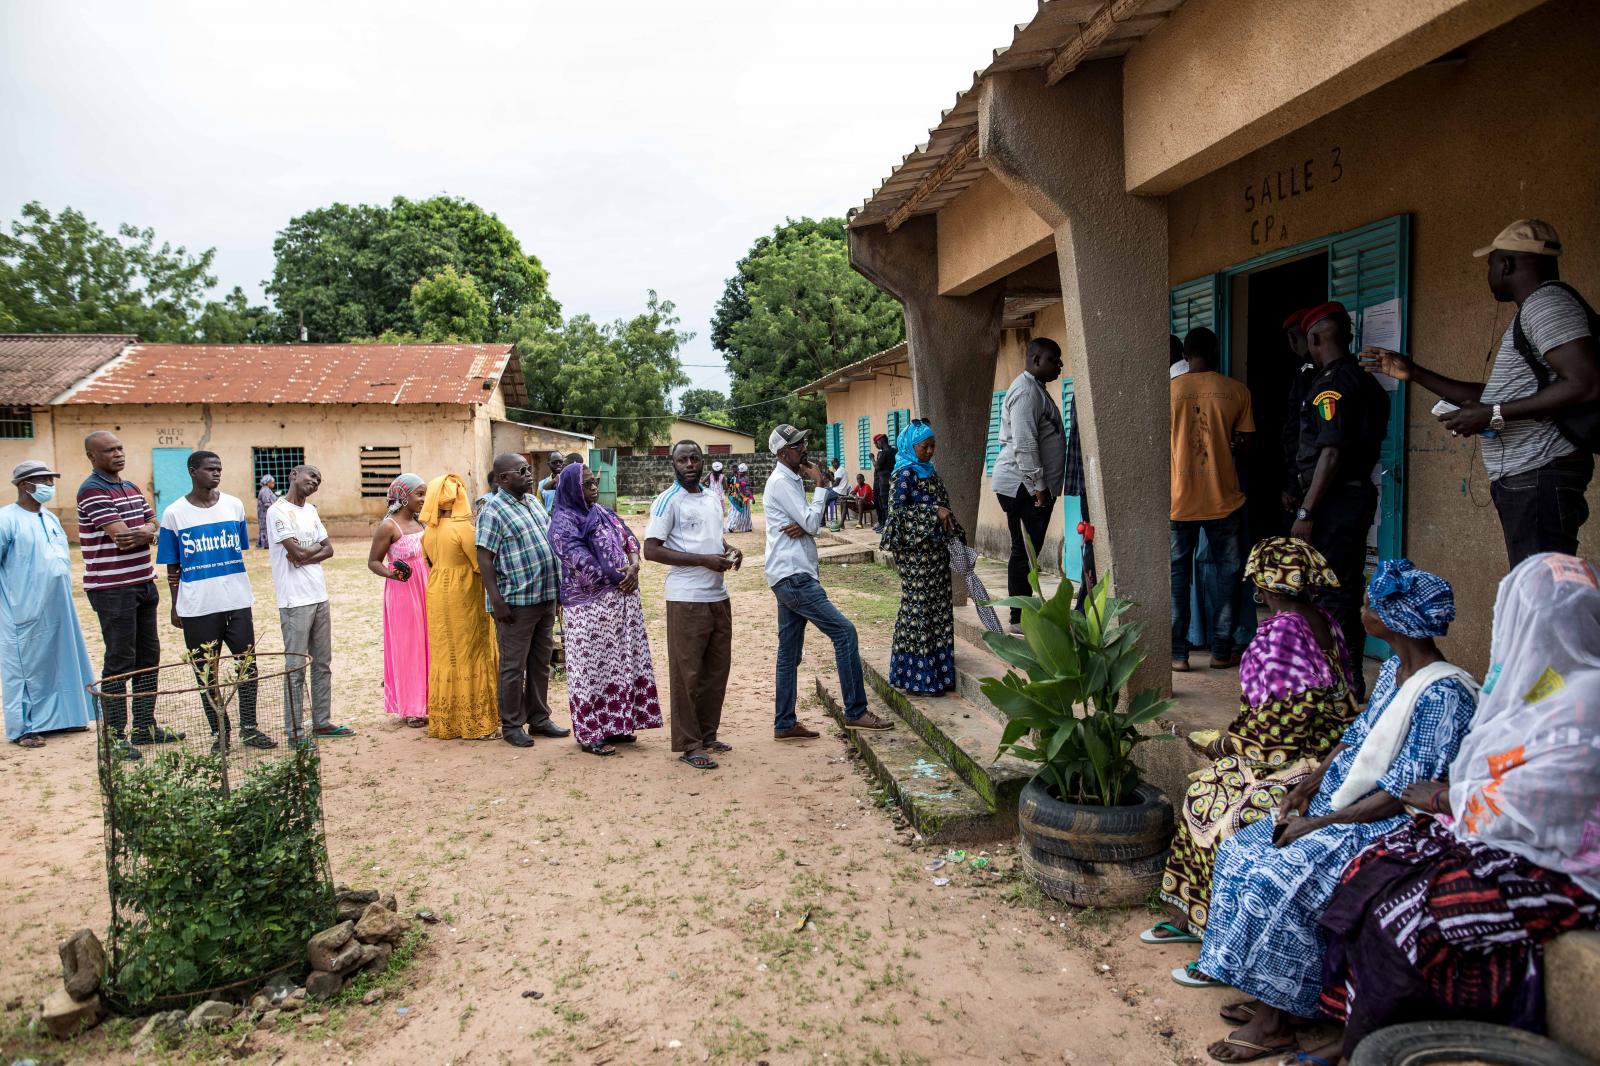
(953, 342)
(1059, 149)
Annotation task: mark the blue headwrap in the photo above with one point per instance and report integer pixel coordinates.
(906, 448)
(1411, 602)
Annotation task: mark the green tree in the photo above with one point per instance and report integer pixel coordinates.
(794, 311)
(234, 320)
(708, 405)
(448, 307)
(606, 379)
(64, 274)
(348, 270)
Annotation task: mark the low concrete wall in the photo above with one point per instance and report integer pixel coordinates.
(646, 475)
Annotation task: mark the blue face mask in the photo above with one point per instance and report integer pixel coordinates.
(44, 493)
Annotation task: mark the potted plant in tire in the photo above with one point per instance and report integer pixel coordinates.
(1092, 833)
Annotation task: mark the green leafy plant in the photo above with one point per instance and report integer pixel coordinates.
(1065, 714)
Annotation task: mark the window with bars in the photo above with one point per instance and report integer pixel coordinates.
(380, 465)
(16, 423)
(864, 441)
(277, 462)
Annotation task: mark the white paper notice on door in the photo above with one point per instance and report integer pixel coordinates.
(1380, 328)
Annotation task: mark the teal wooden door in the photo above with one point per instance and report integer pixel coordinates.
(1071, 506)
(170, 472)
(603, 461)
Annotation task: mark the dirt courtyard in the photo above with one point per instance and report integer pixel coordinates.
(657, 909)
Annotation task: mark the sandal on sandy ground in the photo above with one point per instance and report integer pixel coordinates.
(334, 731)
(417, 723)
(1189, 976)
(496, 735)
(622, 738)
(718, 746)
(1174, 935)
(1259, 1051)
(603, 750)
(698, 761)
(1239, 1013)
(32, 740)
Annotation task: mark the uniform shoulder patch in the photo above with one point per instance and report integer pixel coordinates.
(1326, 403)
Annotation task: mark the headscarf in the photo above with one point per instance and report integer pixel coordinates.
(399, 489)
(267, 479)
(716, 467)
(1411, 602)
(447, 499)
(744, 468)
(571, 508)
(1527, 777)
(1288, 566)
(906, 454)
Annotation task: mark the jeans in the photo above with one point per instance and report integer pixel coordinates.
(307, 630)
(1542, 510)
(128, 626)
(1225, 537)
(236, 631)
(802, 599)
(1024, 516)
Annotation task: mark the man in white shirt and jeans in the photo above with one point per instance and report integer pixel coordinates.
(791, 568)
(298, 543)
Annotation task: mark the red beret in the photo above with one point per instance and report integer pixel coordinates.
(1293, 321)
(1320, 312)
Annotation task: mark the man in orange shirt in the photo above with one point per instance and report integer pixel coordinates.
(1210, 419)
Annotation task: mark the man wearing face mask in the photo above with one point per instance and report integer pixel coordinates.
(43, 661)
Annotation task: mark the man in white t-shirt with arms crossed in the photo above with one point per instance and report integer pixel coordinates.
(298, 543)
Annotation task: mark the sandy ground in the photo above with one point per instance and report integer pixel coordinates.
(656, 908)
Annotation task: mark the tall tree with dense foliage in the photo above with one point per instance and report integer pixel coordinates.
(348, 271)
(235, 320)
(448, 307)
(64, 274)
(794, 311)
(708, 405)
(611, 380)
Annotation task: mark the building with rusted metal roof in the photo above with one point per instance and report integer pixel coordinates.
(35, 370)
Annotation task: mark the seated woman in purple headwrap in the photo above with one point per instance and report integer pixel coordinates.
(611, 684)
(1273, 878)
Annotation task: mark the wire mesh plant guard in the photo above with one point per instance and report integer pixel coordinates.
(216, 860)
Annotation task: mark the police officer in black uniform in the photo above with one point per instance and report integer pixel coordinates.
(1306, 370)
(1343, 420)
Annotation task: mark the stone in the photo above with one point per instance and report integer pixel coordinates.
(323, 985)
(391, 902)
(212, 1014)
(350, 910)
(328, 943)
(66, 1017)
(269, 1019)
(380, 924)
(342, 961)
(313, 1019)
(83, 961)
(362, 896)
(161, 1027)
(375, 955)
(260, 1004)
(371, 996)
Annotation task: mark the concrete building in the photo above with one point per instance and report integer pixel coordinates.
(714, 439)
(362, 413)
(36, 369)
(1141, 167)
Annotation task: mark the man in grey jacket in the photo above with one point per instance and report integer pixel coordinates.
(1029, 471)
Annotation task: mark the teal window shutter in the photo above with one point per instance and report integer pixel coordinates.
(864, 441)
(992, 451)
(836, 441)
(898, 419)
(1193, 304)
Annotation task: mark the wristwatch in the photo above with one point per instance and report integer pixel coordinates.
(1302, 515)
(1496, 420)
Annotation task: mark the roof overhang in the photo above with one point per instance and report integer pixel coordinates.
(860, 370)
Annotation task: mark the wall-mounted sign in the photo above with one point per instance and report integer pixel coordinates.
(167, 438)
(1267, 198)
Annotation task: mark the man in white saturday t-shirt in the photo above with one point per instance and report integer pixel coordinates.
(298, 544)
(685, 532)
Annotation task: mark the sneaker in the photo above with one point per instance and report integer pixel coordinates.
(255, 738)
(868, 720)
(797, 732)
(123, 750)
(155, 735)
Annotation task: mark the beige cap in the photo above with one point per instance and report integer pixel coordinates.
(1532, 235)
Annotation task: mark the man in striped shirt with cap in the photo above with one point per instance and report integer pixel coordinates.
(116, 528)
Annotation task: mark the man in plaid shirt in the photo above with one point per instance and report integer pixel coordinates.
(521, 573)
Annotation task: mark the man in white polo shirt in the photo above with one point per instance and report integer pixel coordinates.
(298, 543)
(791, 566)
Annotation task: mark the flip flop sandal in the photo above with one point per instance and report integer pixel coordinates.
(1261, 1050)
(1179, 936)
(496, 735)
(719, 747)
(417, 723)
(335, 731)
(1188, 975)
(605, 751)
(1238, 1013)
(31, 741)
(699, 762)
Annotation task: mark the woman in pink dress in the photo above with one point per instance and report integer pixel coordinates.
(397, 557)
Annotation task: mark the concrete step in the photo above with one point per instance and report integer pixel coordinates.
(936, 801)
(964, 733)
(846, 553)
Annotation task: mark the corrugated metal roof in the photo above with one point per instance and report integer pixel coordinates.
(860, 370)
(35, 368)
(299, 373)
(1062, 35)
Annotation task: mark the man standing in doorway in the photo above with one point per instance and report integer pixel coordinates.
(1210, 419)
(685, 533)
(882, 475)
(1029, 471)
(1547, 368)
(203, 539)
(116, 528)
(297, 545)
(1343, 422)
(791, 568)
(520, 571)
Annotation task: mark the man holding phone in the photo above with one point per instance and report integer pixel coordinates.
(791, 567)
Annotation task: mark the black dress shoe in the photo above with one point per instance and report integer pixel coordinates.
(550, 729)
(517, 738)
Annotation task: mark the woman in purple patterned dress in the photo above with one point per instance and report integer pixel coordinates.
(611, 684)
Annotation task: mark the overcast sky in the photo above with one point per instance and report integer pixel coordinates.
(628, 144)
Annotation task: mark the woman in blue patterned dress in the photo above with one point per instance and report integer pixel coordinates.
(1273, 878)
(922, 659)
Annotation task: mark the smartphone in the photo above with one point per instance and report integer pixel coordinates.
(402, 569)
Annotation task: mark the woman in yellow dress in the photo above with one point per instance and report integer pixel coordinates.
(465, 660)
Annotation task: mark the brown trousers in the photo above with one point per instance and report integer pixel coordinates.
(524, 681)
(700, 653)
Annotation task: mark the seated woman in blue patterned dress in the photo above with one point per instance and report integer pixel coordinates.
(1273, 878)
(922, 658)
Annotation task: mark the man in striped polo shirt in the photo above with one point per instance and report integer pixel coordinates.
(116, 528)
